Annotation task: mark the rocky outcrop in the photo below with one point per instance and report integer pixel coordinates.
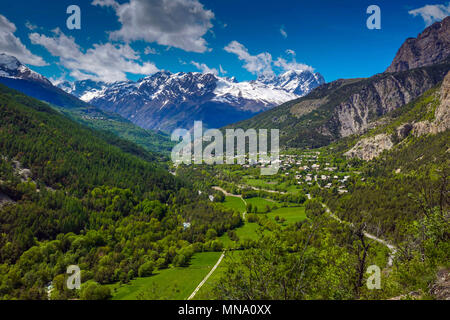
(432, 46)
(442, 114)
(369, 148)
(372, 147)
(353, 106)
(404, 130)
(440, 290)
(382, 95)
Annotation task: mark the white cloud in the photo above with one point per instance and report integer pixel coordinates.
(13, 46)
(432, 13)
(204, 68)
(174, 23)
(283, 32)
(104, 62)
(260, 64)
(105, 3)
(292, 65)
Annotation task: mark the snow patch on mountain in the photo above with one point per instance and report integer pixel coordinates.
(10, 67)
(228, 91)
(180, 86)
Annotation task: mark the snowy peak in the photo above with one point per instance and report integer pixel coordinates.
(236, 93)
(299, 82)
(10, 67)
(86, 90)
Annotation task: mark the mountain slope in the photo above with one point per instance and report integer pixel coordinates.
(27, 125)
(406, 166)
(166, 101)
(432, 46)
(17, 76)
(429, 114)
(344, 107)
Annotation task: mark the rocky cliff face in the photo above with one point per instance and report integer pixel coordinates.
(382, 95)
(442, 114)
(371, 147)
(430, 47)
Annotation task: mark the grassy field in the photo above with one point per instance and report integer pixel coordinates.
(234, 203)
(272, 185)
(291, 214)
(260, 203)
(247, 232)
(168, 284)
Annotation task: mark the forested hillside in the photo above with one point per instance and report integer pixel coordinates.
(407, 180)
(69, 196)
(87, 115)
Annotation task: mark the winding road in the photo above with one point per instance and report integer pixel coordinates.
(392, 248)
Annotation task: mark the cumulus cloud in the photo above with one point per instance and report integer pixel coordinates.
(260, 64)
(104, 62)
(174, 23)
(13, 46)
(204, 68)
(432, 13)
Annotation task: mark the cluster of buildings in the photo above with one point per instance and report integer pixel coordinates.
(310, 171)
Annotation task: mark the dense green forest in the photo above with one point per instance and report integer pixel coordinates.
(154, 142)
(92, 200)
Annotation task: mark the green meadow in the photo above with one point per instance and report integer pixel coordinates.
(168, 284)
(261, 203)
(291, 214)
(234, 203)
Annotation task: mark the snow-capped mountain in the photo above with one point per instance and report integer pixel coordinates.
(17, 76)
(165, 101)
(85, 90)
(12, 68)
(298, 82)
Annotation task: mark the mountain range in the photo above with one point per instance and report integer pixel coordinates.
(166, 101)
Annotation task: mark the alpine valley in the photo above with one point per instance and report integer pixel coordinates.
(358, 210)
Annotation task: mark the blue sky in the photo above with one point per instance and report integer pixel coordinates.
(127, 39)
